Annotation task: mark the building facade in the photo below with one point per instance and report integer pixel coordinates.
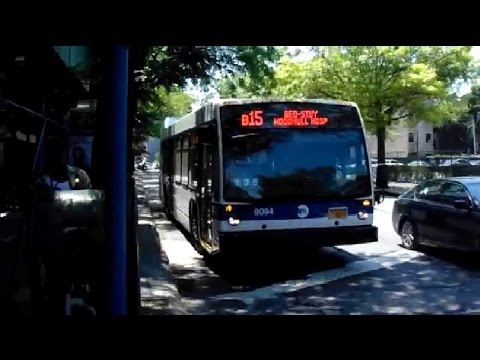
(404, 142)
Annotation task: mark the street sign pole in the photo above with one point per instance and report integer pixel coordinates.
(117, 175)
(474, 131)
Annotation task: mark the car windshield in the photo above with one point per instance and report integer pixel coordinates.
(475, 190)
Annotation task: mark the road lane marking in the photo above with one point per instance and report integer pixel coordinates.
(321, 278)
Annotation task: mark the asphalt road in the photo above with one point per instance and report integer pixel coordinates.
(377, 278)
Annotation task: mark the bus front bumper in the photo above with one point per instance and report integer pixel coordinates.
(296, 237)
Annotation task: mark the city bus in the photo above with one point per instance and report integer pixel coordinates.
(262, 172)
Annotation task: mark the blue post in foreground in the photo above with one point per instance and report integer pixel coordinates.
(117, 130)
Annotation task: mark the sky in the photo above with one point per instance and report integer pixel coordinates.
(476, 52)
(305, 55)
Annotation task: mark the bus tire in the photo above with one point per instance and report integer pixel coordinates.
(168, 213)
(166, 206)
(194, 230)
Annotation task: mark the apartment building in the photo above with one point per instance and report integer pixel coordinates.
(404, 141)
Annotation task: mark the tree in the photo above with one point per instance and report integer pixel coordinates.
(473, 111)
(474, 98)
(171, 67)
(244, 87)
(162, 104)
(389, 83)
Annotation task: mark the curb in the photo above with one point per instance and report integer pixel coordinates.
(395, 191)
(159, 292)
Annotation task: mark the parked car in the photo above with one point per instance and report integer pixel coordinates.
(454, 162)
(418, 163)
(441, 212)
(393, 162)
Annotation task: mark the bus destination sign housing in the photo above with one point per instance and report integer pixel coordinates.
(290, 115)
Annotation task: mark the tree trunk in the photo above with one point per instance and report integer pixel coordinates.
(382, 169)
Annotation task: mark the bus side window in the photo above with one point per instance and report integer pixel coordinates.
(178, 160)
(193, 162)
(184, 175)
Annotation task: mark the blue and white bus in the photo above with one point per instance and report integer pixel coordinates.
(257, 172)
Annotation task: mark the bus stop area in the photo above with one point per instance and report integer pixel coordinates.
(67, 200)
(158, 289)
(84, 232)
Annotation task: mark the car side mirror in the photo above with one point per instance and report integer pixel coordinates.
(463, 205)
(379, 196)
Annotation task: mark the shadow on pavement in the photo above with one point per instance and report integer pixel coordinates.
(257, 267)
(465, 260)
(421, 286)
(269, 266)
(158, 293)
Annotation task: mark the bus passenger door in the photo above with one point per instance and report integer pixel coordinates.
(205, 192)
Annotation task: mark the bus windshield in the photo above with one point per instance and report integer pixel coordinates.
(279, 164)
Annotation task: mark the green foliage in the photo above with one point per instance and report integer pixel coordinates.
(389, 83)
(166, 69)
(467, 105)
(171, 66)
(474, 98)
(245, 87)
(161, 104)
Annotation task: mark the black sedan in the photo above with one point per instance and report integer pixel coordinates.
(441, 212)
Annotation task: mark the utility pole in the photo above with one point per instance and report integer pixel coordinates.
(117, 174)
(474, 131)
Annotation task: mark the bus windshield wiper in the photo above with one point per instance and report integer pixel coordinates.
(243, 135)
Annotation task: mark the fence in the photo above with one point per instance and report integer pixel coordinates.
(434, 157)
(416, 174)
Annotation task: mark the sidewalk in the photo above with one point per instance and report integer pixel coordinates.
(159, 293)
(398, 188)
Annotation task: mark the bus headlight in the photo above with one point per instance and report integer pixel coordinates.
(362, 215)
(233, 222)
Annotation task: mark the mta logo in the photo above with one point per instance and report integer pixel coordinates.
(302, 211)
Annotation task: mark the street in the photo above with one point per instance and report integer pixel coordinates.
(376, 278)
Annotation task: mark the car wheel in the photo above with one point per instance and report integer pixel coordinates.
(409, 235)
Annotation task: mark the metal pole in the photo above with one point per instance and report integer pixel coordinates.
(418, 155)
(118, 176)
(475, 116)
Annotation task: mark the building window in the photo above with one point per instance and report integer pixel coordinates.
(428, 137)
(410, 137)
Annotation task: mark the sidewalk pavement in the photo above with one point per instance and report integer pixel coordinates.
(398, 188)
(159, 293)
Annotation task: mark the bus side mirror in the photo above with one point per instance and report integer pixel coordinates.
(379, 196)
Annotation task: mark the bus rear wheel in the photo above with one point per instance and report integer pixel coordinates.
(195, 233)
(167, 206)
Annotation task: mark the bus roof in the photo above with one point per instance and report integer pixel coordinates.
(223, 102)
(207, 111)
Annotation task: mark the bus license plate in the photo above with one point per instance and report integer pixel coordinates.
(337, 213)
